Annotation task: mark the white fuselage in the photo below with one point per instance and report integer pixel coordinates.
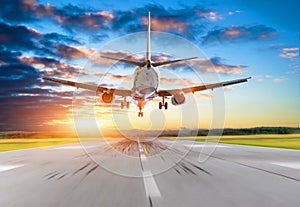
(145, 83)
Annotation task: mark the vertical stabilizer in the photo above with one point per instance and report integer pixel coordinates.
(148, 54)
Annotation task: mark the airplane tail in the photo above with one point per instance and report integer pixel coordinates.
(148, 54)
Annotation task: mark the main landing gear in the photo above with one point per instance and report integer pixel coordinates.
(125, 103)
(163, 104)
(141, 104)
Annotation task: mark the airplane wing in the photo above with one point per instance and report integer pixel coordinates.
(118, 92)
(201, 87)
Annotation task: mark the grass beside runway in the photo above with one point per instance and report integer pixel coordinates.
(289, 141)
(15, 144)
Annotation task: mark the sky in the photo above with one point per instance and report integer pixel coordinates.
(63, 39)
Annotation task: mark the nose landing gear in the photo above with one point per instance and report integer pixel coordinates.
(140, 105)
(140, 114)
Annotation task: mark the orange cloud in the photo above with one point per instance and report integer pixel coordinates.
(108, 16)
(163, 24)
(97, 56)
(73, 52)
(214, 16)
(233, 31)
(215, 66)
(52, 67)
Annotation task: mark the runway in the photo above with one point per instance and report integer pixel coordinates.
(150, 173)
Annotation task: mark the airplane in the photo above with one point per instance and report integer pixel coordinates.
(145, 83)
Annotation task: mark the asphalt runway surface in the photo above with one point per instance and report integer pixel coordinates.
(150, 173)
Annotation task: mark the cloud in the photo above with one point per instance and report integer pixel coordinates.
(13, 73)
(19, 37)
(61, 38)
(7, 56)
(84, 20)
(99, 56)
(279, 79)
(69, 16)
(217, 65)
(164, 19)
(22, 38)
(289, 53)
(261, 78)
(25, 103)
(17, 10)
(166, 24)
(239, 33)
(73, 17)
(208, 65)
(23, 112)
(211, 15)
(70, 52)
(52, 67)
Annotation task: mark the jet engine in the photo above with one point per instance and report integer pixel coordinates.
(107, 97)
(178, 99)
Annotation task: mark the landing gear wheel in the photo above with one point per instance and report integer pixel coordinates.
(122, 105)
(127, 105)
(163, 104)
(160, 105)
(141, 114)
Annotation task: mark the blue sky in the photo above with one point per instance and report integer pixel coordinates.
(241, 38)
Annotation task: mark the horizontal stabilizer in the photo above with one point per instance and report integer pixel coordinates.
(171, 61)
(131, 62)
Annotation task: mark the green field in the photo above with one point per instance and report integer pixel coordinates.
(14, 144)
(290, 141)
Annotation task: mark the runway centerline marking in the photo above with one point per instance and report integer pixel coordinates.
(294, 165)
(150, 185)
(143, 157)
(9, 167)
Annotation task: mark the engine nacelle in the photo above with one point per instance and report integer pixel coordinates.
(178, 99)
(107, 97)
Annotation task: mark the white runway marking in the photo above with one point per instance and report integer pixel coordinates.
(9, 167)
(294, 165)
(143, 157)
(150, 185)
